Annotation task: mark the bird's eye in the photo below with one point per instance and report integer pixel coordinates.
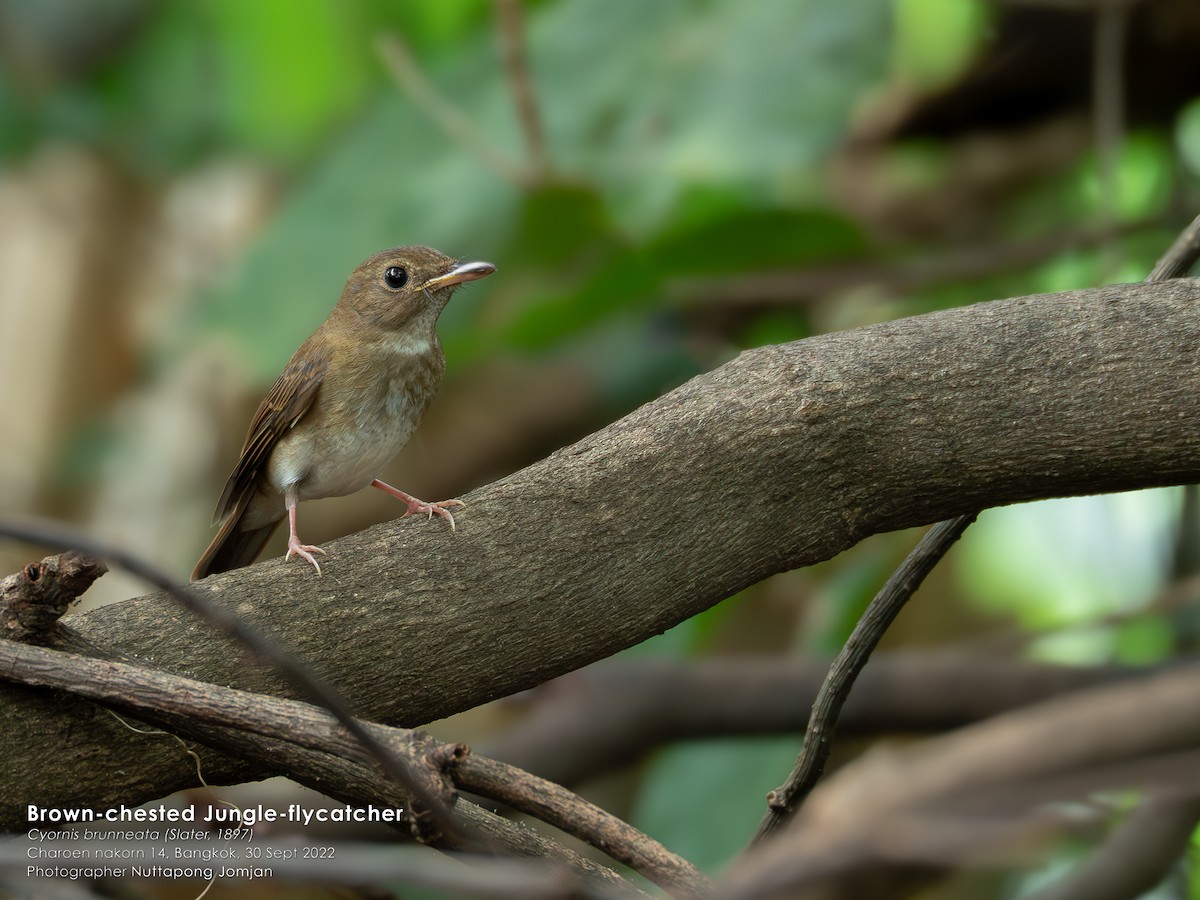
(395, 277)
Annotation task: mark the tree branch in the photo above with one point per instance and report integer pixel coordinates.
(516, 67)
(590, 722)
(950, 798)
(280, 733)
(32, 600)
(784, 800)
(783, 457)
(1137, 856)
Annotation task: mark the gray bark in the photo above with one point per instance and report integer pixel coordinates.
(781, 458)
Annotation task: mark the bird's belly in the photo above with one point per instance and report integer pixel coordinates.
(327, 463)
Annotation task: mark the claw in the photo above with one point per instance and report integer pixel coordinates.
(416, 506)
(304, 551)
(430, 509)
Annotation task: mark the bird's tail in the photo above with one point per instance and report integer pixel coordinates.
(233, 548)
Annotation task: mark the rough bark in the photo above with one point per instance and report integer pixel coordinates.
(783, 457)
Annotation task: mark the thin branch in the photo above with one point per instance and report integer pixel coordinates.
(181, 703)
(783, 802)
(453, 122)
(1180, 256)
(1136, 856)
(349, 782)
(516, 67)
(1179, 259)
(958, 796)
(429, 809)
(608, 715)
(559, 807)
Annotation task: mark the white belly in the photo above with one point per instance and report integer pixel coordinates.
(333, 462)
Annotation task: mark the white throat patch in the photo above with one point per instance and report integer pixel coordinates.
(409, 345)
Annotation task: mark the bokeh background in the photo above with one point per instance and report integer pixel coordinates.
(185, 186)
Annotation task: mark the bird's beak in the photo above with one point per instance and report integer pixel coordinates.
(460, 274)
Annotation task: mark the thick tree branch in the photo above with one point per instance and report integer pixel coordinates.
(781, 458)
(783, 802)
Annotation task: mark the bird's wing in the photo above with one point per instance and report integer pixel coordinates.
(289, 399)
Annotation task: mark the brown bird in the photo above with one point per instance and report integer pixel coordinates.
(348, 400)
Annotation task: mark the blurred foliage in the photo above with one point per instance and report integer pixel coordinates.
(660, 178)
(1082, 558)
(1187, 137)
(695, 144)
(936, 39)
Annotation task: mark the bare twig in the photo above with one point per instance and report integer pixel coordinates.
(1180, 257)
(350, 782)
(783, 802)
(1136, 856)
(182, 703)
(953, 797)
(512, 48)
(589, 722)
(565, 810)
(1178, 260)
(456, 124)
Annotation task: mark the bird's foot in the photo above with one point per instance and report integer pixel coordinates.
(304, 551)
(420, 507)
(438, 508)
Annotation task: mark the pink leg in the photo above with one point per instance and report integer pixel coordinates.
(420, 506)
(295, 548)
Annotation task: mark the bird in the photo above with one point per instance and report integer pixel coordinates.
(345, 404)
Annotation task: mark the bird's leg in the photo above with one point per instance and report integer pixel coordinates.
(295, 548)
(420, 506)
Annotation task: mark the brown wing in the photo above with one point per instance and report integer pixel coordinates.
(288, 400)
